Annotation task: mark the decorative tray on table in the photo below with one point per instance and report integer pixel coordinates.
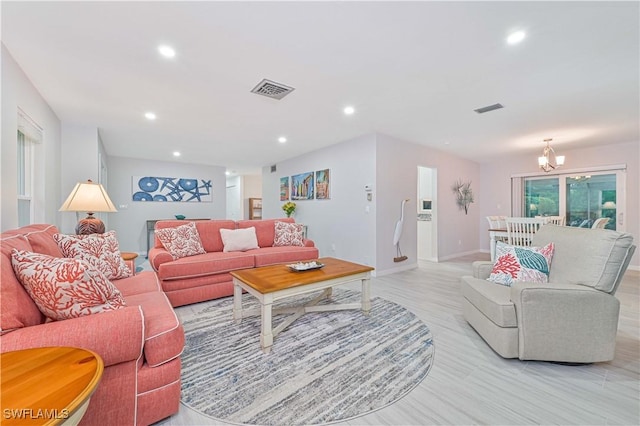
(305, 266)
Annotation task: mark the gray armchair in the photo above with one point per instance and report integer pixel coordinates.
(573, 318)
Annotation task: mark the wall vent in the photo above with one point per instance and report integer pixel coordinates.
(273, 168)
(271, 89)
(488, 108)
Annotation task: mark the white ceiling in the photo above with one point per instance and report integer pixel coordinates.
(413, 70)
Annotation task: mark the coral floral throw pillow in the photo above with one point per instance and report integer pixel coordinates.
(288, 234)
(100, 251)
(181, 241)
(514, 263)
(64, 288)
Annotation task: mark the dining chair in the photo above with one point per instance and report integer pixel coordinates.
(556, 220)
(497, 222)
(600, 223)
(520, 230)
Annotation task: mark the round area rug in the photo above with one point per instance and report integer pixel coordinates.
(325, 367)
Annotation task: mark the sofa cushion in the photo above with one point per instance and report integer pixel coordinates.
(239, 239)
(205, 264)
(41, 239)
(271, 255)
(265, 229)
(163, 333)
(493, 300)
(100, 251)
(593, 257)
(515, 263)
(288, 234)
(65, 288)
(182, 241)
(17, 308)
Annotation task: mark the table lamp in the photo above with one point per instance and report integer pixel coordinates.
(88, 197)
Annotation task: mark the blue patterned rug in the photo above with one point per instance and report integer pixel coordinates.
(325, 367)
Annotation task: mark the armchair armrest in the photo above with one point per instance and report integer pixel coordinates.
(158, 256)
(482, 269)
(308, 243)
(117, 336)
(555, 320)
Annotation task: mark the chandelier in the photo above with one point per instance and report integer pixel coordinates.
(549, 160)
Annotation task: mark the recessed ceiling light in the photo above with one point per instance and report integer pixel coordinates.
(227, 173)
(166, 51)
(349, 110)
(150, 116)
(176, 154)
(282, 139)
(516, 37)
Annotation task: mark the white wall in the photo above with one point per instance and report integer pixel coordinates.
(234, 197)
(397, 176)
(496, 182)
(18, 91)
(390, 165)
(340, 226)
(130, 222)
(80, 161)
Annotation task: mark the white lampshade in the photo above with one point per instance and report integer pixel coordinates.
(559, 160)
(88, 197)
(542, 161)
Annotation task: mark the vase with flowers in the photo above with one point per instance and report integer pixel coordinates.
(289, 208)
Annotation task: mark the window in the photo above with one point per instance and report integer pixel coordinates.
(29, 133)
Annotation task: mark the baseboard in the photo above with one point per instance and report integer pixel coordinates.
(456, 255)
(390, 271)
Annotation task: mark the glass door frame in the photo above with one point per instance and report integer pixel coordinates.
(518, 189)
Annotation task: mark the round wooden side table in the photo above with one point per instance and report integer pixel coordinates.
(47, 386)
(128, 255)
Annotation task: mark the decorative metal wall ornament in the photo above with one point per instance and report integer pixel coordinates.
(464, 194)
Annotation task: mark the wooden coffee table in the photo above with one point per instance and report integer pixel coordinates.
(48, 385)
(271, 283)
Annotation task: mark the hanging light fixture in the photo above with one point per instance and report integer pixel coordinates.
(549, 160)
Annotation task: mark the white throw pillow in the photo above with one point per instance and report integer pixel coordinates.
(239, 239)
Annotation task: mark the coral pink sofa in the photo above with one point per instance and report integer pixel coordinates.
(206, 276)
(139, 344)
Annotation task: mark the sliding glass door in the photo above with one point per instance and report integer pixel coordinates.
(582, 199)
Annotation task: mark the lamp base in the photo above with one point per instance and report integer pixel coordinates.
(90, 225)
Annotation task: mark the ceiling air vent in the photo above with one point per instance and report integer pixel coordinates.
(488, 108)
(271, 89)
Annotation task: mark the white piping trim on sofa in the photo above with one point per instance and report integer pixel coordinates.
(135, 412)
(161, 387)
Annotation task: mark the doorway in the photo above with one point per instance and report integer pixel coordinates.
(427, 214)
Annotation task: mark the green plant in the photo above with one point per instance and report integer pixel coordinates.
(289, 207)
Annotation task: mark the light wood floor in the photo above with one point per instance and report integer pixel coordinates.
(470, 384)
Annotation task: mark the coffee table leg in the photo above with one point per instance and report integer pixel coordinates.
(266, 332)
(366, 296)
(237, 303)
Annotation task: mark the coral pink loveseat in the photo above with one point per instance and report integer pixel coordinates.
(207, 276)
(139, 344)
